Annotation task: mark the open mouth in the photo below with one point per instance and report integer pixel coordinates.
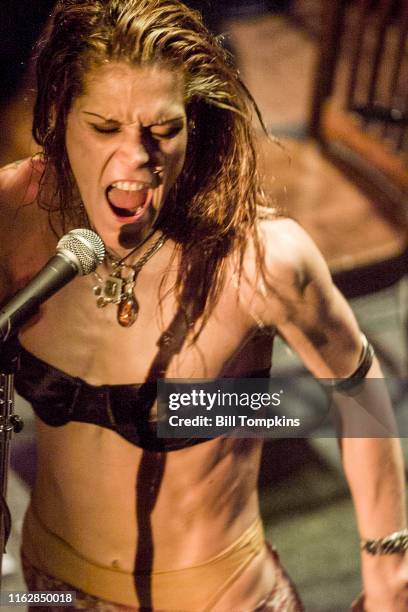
(128, 199)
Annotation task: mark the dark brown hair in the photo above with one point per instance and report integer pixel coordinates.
(211, 210)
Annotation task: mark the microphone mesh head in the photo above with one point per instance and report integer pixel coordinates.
(85, 246)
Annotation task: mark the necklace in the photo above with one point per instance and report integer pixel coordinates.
(118, 288)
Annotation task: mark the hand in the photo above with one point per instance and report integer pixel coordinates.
(397, 602)
(358, 604)
(386, 585)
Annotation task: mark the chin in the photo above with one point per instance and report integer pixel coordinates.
(132, 234)
(129, 235)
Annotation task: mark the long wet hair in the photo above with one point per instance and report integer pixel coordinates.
(211, 210)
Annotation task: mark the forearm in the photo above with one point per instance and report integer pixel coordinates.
(373, 465)
(374, 469)
(375, 472)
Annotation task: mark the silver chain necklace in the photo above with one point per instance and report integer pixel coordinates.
(118, 288)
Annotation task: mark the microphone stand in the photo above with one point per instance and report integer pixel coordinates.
(9, 423)
(78, 252)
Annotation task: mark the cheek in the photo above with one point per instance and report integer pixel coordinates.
(78, 150)
(79, 173)
(75, 153)
(179, 156)
(79, 145)
(180, 162)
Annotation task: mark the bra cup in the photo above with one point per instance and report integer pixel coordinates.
(52, 397)
(58, 398)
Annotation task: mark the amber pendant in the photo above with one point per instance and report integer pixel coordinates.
(128, 310)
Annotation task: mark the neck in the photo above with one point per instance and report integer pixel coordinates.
(140, 254)
(130, 255)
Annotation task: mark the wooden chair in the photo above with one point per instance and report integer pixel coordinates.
(347, 182)
(359, 118)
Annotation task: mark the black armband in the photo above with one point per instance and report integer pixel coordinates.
(352, 381)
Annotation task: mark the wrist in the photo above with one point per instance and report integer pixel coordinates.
(382, 558)
(393, 543)
(382, 569)
(385, 582)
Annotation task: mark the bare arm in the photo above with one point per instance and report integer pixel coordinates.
(317, 323)
(19, 181)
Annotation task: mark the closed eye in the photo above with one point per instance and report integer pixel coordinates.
(165, 134)
(105, 130)
(168, 134)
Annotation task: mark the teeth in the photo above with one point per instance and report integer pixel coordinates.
(129, 186)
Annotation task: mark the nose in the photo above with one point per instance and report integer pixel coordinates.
(133, 151)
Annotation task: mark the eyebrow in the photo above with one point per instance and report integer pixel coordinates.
(155, 123)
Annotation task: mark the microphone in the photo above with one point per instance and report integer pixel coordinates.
(80, 251)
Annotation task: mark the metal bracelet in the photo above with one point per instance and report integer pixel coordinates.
(396, 542)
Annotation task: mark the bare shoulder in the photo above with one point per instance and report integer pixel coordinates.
(301, 301)
(290, 255)
(19, 187)
(20, 222)
(293, 270)
(19, 182)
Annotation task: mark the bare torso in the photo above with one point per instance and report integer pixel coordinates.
(215, 494)
(206, 489)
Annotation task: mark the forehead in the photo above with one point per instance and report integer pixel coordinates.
(132, 93)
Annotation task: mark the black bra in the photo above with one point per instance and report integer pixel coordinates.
(58, 398)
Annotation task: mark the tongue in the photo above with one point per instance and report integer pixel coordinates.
(130, 200)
